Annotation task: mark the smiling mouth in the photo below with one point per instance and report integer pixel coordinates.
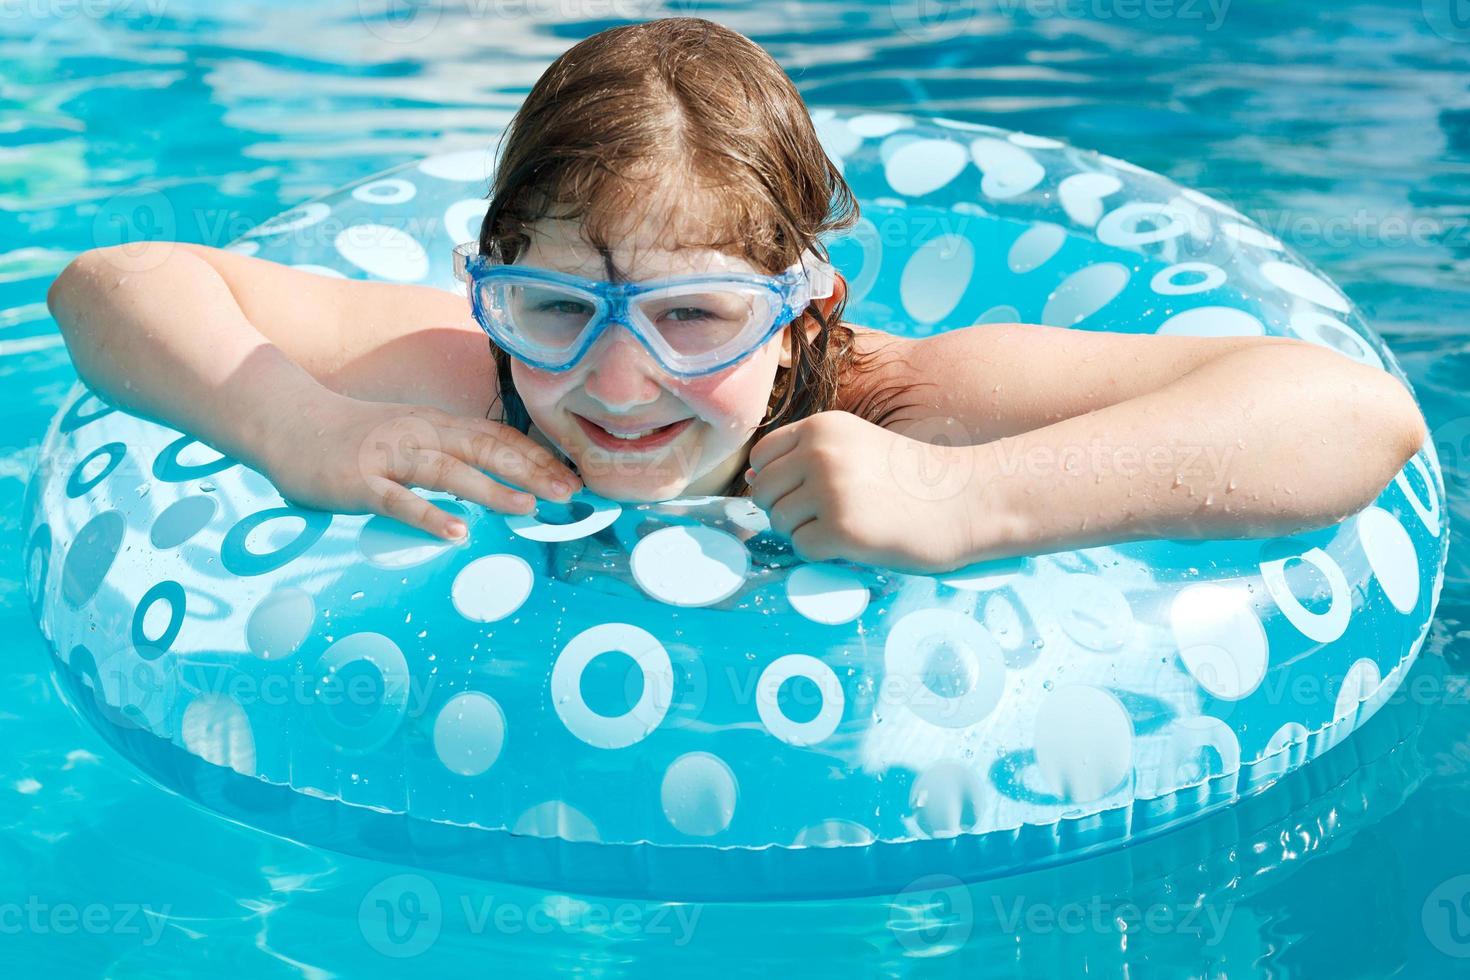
(632, 441)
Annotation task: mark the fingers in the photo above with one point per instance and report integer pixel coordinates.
(775, 480)
(772, 445)
(441, 471)
(519, 460)
(526, 446)
(404, 505)
(513, 454)
(404, 447)
(793, 510)
(812, 543)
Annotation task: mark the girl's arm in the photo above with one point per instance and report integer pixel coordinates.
(291, 372)
(1045, 439)
(1269, 437)
(1030, 376)
(223, 345)
(1084, 436)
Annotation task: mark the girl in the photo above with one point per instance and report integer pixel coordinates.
(678, 149)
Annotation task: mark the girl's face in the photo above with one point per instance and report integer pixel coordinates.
(618, 386)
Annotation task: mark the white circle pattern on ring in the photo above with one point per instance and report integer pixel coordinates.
(690, 566)
(469, 733)
(1325, 626)
(1298, 281)
(1211, 321)
(383, 251)
(827, 594)
(1427, 509)
(462, 221)
(1084, 742)
(1246, 235)
(907, 657)
(1081, 195)
(983, 576)
(391, 190)
(1141, 223)
(604, 514)
(382, 655)
(216, 729)
(492, 587)
(698, 794)
(1330, 332)
(1391, 555)
(300, 217)
(1220, 639)
(633, 726)
(1165, 281)
(767, 699)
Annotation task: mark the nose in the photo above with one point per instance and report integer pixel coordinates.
(621, 375)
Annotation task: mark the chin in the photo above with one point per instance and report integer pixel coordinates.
(632, 487)
(634, 480)
(639, 478)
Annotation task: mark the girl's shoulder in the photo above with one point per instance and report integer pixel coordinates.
(876, 351)
(874, 347)
(878, 360)
(381, 341)
(418, 344)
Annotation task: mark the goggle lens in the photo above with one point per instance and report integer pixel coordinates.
(694, 322)
(690, 320)
(549, 318)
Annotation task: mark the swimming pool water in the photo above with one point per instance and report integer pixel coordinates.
(1344, 128)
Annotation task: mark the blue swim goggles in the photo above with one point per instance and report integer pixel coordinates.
(692, 325)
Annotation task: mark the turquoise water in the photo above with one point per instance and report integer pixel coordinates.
(1344, 129)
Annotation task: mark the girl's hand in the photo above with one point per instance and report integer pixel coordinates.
(349, 455)
(841, 487)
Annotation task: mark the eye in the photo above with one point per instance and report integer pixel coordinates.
(685, 314)
(697, 308)
(564, 307)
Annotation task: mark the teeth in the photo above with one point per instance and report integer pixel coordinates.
(632, 436)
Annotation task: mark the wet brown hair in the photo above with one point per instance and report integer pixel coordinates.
(620, 114)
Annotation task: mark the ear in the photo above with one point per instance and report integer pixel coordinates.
(809, 323)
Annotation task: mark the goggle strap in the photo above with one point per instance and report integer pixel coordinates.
(821, 278)
(462, 255)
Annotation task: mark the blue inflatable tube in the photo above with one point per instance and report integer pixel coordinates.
(660, 699)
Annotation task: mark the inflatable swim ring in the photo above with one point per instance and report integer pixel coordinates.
(661, 700)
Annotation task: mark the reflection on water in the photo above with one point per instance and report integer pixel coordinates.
(1345, 128)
